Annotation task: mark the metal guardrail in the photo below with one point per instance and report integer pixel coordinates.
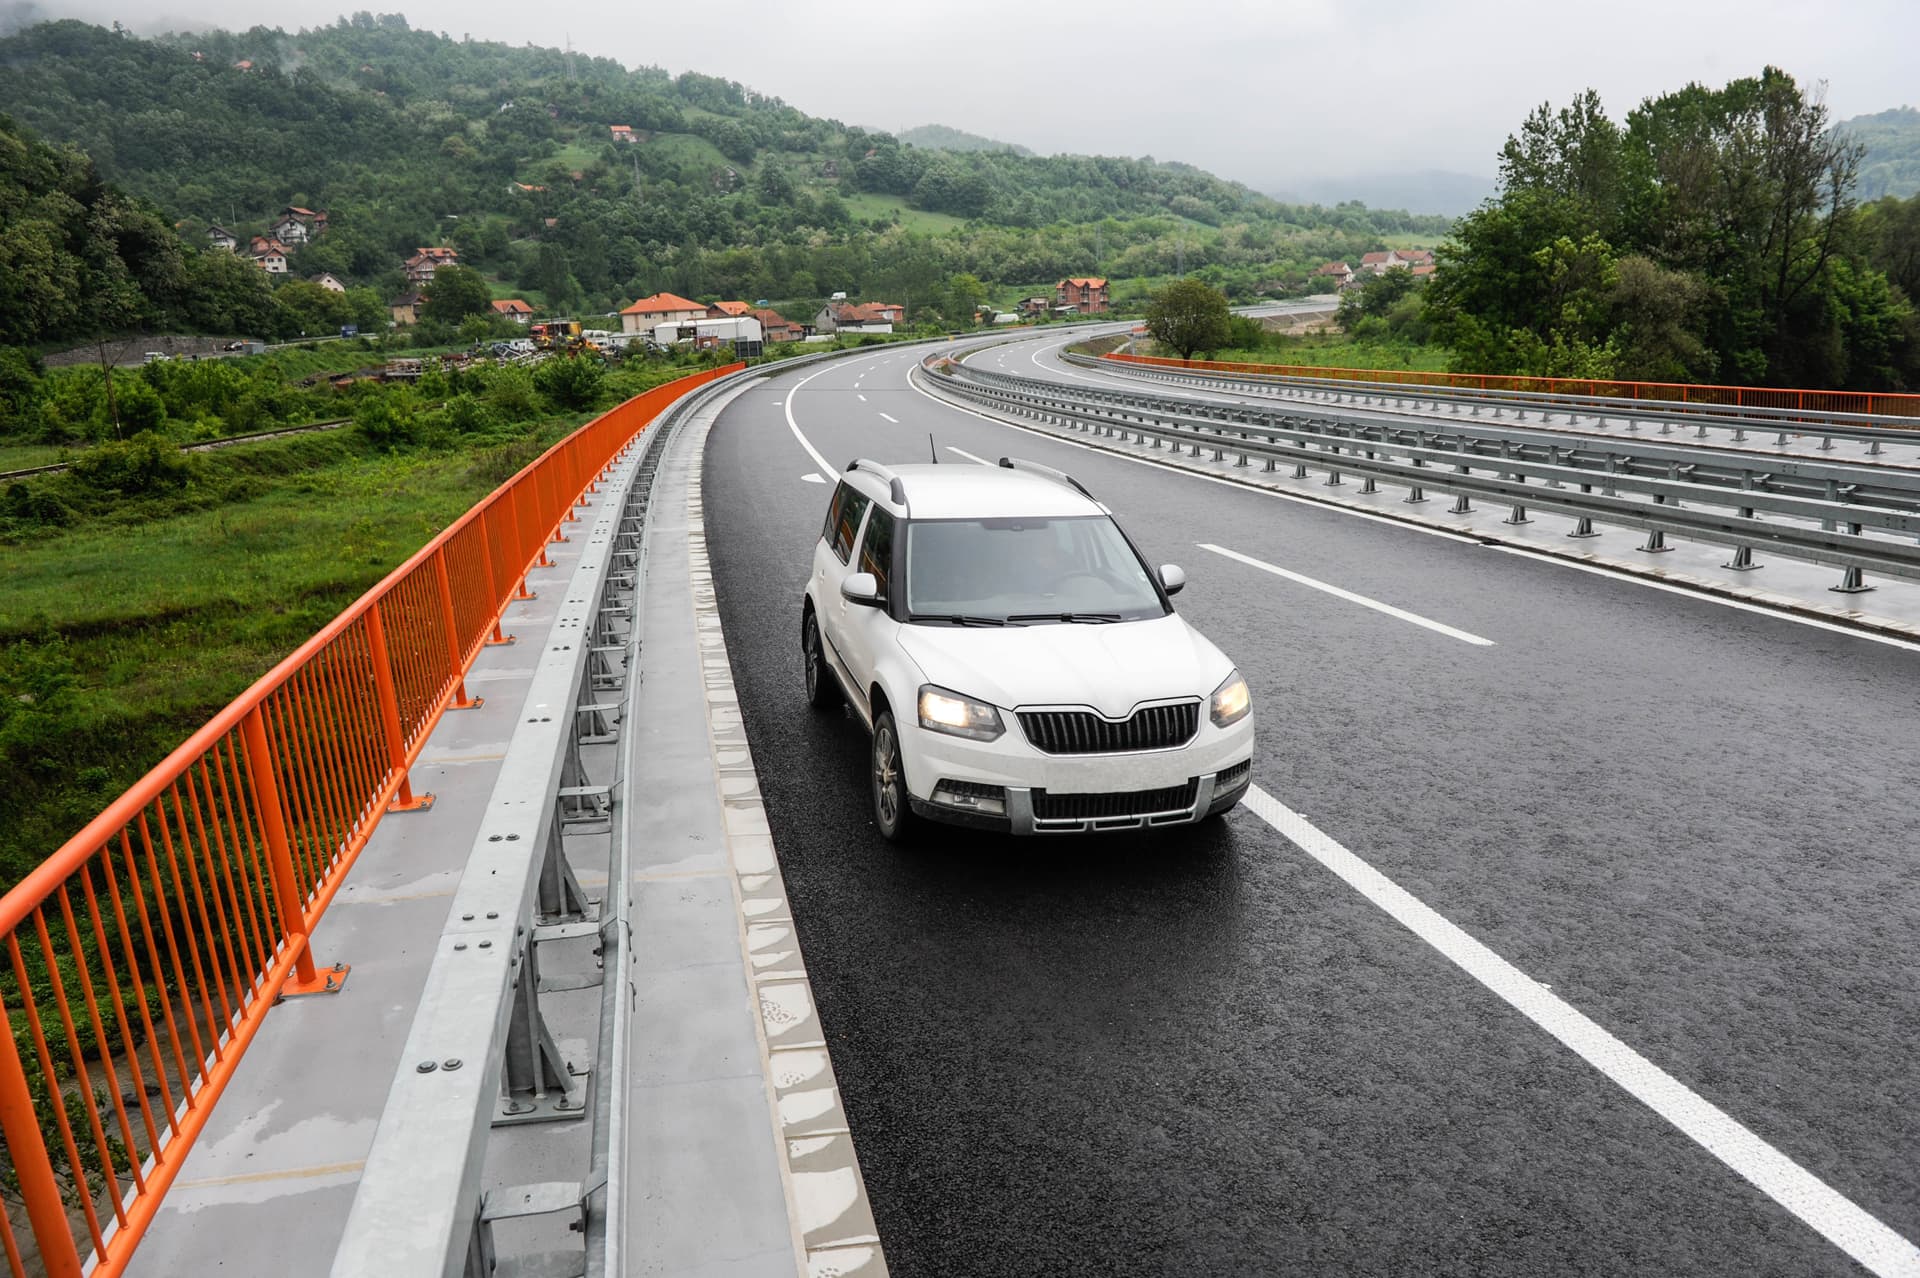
(1892, 404)
(143, 956)
(1875, 429)
(1604, 483)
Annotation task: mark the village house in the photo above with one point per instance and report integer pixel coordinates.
(661, 308)
(294, 226)
(270, 255)
(621, 132)
(405, 309)
(329, 281)
(1339, 272)
(1035, 306)
(728, 310)
(514, 309)
(421, 265)
(777, 327)
(221, 238)
(859, 317)
(1084, 294)
(521, 188)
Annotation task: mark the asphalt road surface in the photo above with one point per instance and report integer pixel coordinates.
(1690, 828)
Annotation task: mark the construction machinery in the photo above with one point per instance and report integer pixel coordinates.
(559, 336)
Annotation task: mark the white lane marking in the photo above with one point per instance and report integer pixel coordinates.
(978, 461)
(813, 477)
(1348, 595)
(894, 420)
(1827, 1211)
(1601, 570)
(778, 402)
(826, 467)
(863, 399)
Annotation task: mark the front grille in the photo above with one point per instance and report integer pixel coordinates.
(1129, 803)
(1084, 732)
(971, 789)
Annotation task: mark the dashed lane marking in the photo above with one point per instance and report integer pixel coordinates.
(889, 417)
(979, 461)
(1828, 1212)
(1429, 623)
(812, 477)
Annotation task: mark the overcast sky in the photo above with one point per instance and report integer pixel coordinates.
(1265, 91)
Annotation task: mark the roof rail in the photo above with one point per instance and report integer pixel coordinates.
(897, 491)
(1057, 476)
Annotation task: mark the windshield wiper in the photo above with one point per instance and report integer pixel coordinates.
(1088, 617)
(958, 618)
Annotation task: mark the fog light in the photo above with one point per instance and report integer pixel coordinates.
(971, 796)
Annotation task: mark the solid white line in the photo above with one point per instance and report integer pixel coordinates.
(978, 461)
(826, 467)
(894, 420)
(1617, 574)
(1824, 1209)
(1349, 596)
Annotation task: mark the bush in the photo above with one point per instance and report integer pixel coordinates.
(571, 383)
(144, 464)
(385, 421)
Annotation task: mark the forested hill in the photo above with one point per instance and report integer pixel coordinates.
(410, 138)
(940, 137)
(1891, 165)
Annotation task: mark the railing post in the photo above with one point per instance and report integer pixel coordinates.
(495, 602)
(461, 701)
(28, 1152)
(403, 799)
(307, 978)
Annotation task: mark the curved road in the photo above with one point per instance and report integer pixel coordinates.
(1210, 1053)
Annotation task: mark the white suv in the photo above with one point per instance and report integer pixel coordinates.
(1019, 666)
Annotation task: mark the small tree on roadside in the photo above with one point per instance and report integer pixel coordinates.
(1187, 316)
(456, 293)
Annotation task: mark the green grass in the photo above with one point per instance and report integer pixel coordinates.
(119, 637)
(867, 206)
(16, 456)
(1335, 350)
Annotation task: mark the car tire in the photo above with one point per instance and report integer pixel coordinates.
(892, 806)
(823, 690)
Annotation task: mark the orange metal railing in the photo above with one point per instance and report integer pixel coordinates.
(141, 958)
(1812, 401)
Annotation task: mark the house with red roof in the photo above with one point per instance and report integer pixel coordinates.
(728, 310)
(1339, 272)
(777, 327)
(514, 309)
(269, 254)
(859, 317)
(1086, 294)
(661, 308)
(621, 132)
(421, 265)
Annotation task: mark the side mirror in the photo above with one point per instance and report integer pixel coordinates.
(1172, 578)
(861, 588)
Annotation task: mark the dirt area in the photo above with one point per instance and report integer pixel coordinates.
(1298, 323)
(125, 351)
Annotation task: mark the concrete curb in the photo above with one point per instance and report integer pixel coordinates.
(826, 1195)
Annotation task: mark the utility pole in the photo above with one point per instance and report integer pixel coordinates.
(1180, 255)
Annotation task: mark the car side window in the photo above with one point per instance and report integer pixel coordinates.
(843, 520)
(876, 552)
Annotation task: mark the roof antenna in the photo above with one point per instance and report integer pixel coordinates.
(932, 449)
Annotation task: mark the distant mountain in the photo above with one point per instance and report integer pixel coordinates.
(1892, 162)
(938, 137)
(1418, 191)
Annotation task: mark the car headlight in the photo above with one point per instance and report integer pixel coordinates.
(1231, 701)
(942, 710)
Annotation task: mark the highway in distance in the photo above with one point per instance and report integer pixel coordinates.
(1569, 929)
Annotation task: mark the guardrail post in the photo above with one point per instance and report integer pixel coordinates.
(306, 978)
(404, 799)
(461, 701)
(494, 603)
(28, 1153)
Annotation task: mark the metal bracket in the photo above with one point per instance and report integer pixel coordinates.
(517, 1202)
(536, 1083)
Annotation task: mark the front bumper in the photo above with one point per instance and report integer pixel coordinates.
(1076, 794)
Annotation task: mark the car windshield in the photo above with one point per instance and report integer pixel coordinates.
(966, 571)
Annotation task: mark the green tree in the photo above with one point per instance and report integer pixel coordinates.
(457, 292)
(1186, 316)
(571, 383)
